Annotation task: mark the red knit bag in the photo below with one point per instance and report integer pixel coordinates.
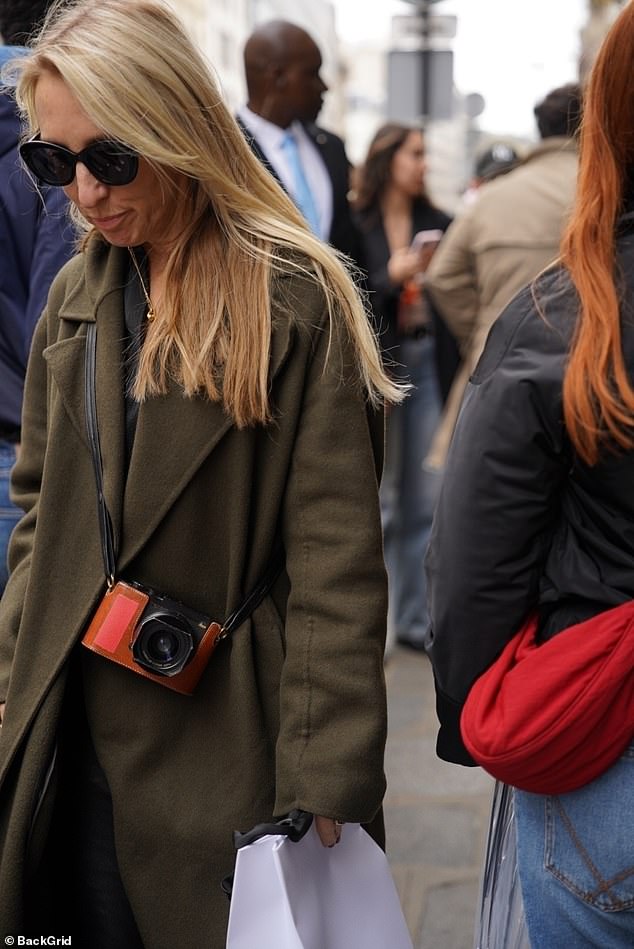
(550, 718)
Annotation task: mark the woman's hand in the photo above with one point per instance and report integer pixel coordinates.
(2, 704)
(403, 265)
(329, 830)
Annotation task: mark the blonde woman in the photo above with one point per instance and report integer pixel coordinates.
(238, 393)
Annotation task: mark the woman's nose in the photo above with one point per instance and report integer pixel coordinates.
(89, 190)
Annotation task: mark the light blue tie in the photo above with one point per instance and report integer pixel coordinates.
(303, 195)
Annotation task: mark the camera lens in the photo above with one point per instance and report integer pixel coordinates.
(164, 643)
(162, 646)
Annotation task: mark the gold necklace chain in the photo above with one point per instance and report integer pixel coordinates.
(151, 314)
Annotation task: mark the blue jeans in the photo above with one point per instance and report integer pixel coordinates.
(9, 513)
(576, 862)
(408, 492)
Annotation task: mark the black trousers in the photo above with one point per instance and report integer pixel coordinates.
(78, 889)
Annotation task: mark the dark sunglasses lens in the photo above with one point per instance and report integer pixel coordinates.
(111, 163)
(52, 165)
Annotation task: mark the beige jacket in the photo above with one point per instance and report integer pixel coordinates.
(491, 251)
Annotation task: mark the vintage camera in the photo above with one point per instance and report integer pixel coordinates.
(153, 635)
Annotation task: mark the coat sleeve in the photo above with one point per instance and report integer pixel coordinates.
(451, 280)
(333, 704)
(497, 508)
(25, 490)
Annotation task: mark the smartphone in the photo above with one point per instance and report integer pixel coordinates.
(426, 239)
(425, 244)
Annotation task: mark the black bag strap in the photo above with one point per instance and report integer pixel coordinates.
(108, 550)
(105, 524)
(294, 826)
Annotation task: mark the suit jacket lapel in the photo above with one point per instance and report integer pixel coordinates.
(254, 145)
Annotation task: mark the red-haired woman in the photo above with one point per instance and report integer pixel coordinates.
(536, 512)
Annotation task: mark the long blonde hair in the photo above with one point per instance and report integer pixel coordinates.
(137, 75)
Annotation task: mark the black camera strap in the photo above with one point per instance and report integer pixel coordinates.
(105, 524)
(108, 551)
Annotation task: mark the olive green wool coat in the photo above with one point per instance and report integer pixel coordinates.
(290, 713)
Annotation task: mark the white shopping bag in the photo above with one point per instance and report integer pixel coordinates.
(303, 895)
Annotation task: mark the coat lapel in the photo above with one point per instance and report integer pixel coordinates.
(174, 436)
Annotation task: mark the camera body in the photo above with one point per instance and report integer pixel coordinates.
(152, 635)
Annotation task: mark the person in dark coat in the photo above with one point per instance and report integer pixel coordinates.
(536, 511)
(239, 393)
(392, 208)
(36, 239)
(282, 66)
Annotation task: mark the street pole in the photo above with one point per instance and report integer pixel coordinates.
(420, 68)
(426, 99)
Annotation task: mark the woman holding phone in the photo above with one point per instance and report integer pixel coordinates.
(401, 228)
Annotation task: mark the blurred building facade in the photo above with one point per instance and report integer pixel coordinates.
(365, 69)
(602, 14)
(220, 27)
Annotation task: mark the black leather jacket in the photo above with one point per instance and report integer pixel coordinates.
(522, 524)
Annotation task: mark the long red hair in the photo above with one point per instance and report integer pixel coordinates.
(598, 396)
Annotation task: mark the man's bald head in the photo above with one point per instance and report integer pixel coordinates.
(282, 64)
(273, 42)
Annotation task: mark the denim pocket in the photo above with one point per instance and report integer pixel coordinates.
(589, 845)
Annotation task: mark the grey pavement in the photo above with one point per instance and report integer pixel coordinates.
(436, 814)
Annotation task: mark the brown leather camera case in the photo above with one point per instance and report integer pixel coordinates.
(111, 634)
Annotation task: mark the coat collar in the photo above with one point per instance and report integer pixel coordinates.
(174, 434)
(554, 143)
(104, 272)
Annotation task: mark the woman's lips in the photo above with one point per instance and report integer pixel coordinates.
(108, 223)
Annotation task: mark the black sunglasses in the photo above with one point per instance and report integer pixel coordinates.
(110, 162)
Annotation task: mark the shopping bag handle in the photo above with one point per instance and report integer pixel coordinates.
(294, 826)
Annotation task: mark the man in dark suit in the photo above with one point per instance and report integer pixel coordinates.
(285, 93)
